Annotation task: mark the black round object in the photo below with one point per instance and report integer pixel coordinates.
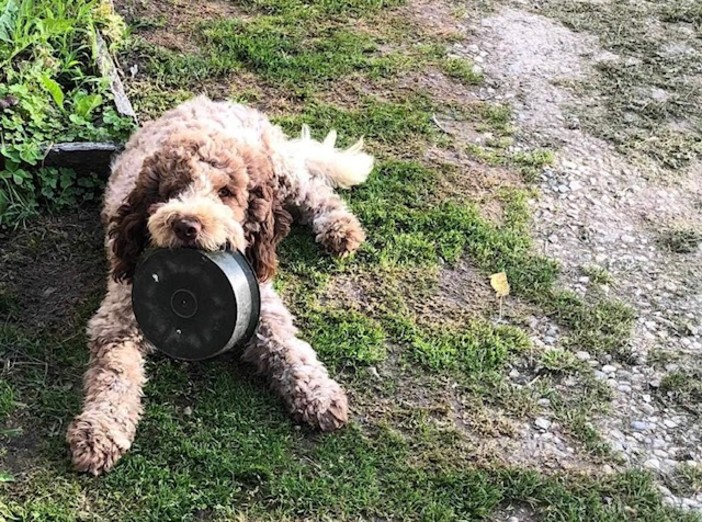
(192, 304)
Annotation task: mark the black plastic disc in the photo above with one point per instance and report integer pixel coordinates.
(194, 305)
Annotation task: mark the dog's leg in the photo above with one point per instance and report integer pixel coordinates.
(293, 369)
(314, 199)
(105, 429)
(334, 226)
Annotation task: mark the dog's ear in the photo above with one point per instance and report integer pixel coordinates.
(267, 222)
(128, 228)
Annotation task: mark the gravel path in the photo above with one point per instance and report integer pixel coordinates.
(598, 208)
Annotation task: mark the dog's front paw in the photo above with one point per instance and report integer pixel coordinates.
(96, 443)
(342, 236)
(323, 405)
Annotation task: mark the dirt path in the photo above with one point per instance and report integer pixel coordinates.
(601, 211)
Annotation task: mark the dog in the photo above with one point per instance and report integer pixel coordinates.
(213, 175)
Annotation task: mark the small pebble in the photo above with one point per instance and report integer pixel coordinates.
(542, 423)
(639, 425)
(648, 409)
(652, 464)
(658, 443)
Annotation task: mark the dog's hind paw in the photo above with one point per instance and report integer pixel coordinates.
(96, 443)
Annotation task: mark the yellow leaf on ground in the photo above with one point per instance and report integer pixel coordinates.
(500, 284)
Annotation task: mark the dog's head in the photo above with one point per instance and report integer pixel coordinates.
(201, 191)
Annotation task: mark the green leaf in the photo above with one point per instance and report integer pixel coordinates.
(6, 477)
(53, 88)
(30, 153)
(84, 104)
(8, 19)
(67, 177)
(10, 164)
(48, 177)
(77, 120)
(20, 176)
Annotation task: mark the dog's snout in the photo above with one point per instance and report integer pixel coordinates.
(187, 229)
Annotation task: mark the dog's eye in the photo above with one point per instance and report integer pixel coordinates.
(224, 192)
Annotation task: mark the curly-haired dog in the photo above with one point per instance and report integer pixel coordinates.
(213, 175)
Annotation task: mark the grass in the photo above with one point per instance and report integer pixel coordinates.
(558, 360)
(680, 240)
(7, 399)
(686, 480)
(496, 119)
(461, 69)
(598, 275)
(213, 444)
(238, 447)
(682, 388)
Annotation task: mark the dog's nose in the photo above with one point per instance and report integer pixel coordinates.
(187, 229)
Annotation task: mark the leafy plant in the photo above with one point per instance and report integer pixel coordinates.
(48, 70)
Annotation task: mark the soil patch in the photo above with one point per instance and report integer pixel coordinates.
(51, 269)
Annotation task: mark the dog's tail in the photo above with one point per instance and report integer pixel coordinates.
(340, 168)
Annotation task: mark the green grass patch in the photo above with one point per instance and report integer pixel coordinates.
(7, 398)
(683, 388)
(602, 327)
(598, 275)
(293, 47)
(498, 150)
(346, 335)
(685, 480)
(477, 348)
(575, 411)
(680, 240)
(233, 453)
(497, 153)
(283, 52)
(381, 122)
(462, 70)
(340, 10)
(559, 361)
(251, 464)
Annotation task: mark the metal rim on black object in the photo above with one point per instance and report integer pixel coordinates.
(193, 305)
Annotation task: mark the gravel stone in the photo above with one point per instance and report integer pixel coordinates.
(542, 423)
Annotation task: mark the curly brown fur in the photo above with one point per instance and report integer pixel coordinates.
(267, 222)
(213, 175)
(113, 386)
(293, 368)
